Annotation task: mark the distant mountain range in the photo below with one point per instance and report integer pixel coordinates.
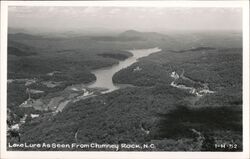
(129, 35)
(144, 35)
(176, 41)
(88, 32)
(18, 36)
(64, 33)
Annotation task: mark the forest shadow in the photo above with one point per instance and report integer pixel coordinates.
(179, 122)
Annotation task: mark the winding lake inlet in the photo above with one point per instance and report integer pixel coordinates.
(104, 75)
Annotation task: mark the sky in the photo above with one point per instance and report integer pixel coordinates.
(124, 18)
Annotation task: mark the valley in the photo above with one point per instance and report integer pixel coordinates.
(137, 87)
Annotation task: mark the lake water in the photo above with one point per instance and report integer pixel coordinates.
(104, 75)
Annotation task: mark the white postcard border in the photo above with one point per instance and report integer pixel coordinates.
(122, 155)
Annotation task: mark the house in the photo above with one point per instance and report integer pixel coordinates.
(34, 115)
(174, 75)
(137, 69)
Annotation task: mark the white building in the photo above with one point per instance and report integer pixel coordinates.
(174, 75)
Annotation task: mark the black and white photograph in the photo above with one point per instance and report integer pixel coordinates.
(124, 78)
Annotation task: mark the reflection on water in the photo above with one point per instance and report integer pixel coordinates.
(104, 75)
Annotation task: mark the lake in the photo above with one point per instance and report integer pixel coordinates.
(104, 75)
